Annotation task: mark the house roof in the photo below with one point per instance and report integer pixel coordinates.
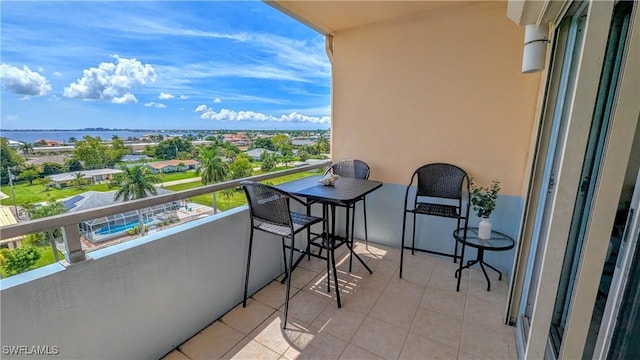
(93, 199)
(259, 151)
(167, 163)
(7, 218)
(88, 174)
(56, 159)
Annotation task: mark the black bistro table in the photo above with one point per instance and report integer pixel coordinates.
(497, 242)
(345, 191)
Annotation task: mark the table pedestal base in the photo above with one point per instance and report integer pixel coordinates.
(478, 260)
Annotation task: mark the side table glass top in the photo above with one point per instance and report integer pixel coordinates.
(497, 242)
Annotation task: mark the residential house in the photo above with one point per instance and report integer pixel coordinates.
(90, 176)
(169, 166)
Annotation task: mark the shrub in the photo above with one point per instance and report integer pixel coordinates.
(21, 259)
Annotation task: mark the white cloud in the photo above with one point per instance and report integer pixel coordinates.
(165, 96)
(127, 98)
(230, 115)
(217, 100)
(183, 97)
(155, 105)
(10, 117)
(57, 74)
(112, 81)
(23, 81)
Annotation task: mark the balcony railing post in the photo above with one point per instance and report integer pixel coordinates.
(74, 253)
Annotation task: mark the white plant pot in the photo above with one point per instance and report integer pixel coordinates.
(484, 229)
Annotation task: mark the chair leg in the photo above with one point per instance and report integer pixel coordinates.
(309, 235)
(455, 250)
(284, 260)
(366, 235)
(404, 226)
(246, 278)
(459, 272)
(413, 239)
(289, 268)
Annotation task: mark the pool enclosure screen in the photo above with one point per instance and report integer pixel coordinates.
(128, 223)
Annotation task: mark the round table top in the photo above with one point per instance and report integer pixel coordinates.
(497, 242)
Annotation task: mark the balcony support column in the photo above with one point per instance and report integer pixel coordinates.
(73, 247)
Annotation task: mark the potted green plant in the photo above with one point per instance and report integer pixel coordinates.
(483, 200)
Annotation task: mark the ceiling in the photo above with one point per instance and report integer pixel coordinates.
(328, 16)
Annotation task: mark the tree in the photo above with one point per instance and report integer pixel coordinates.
(241, 167)
(72, 140)
(29, 175)
(268, 161)
(26, 148)
(73, 165)
(50, 168)
(137, 183)
(303, 155)
(8, 159)
(212, 169)
(170, 149)
(280, 141)
(78, 178)
(49, 209)
(21, 259)
(264, 143)
(45, 181)
(323, 143)
(92, 152)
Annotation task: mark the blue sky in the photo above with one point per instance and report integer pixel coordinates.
(160, 65)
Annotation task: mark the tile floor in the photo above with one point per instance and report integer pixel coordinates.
(382, 317)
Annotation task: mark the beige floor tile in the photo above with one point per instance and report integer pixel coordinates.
(406, 291)
(384, 265)
(380, 338)
(353, 352)
(362, 301)
(246, 319)
(394, 310)
(483, 311)
(419, 347)
(321, 346)
(436, 326)
(175, 355)
(419, 273)
(341, 323)
(212, 342)
(316, 265)
(466, 356)
(273, 294)
(487, 342)
(306, 306)
(301, 277)
(445, 301)
(250, 349)
(271, 334)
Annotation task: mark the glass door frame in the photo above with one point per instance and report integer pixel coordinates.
(562, 201)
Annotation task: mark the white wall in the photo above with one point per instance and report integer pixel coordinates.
(141, 298)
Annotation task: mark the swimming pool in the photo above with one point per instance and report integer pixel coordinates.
(106, 230)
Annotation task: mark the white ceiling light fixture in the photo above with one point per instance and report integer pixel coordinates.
(536, 38)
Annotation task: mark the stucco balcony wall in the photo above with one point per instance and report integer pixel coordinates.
(141, 298)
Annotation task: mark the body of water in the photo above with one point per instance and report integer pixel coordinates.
(32, 136)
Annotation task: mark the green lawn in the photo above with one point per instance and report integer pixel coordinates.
(177, 176)
(238, 198)
(36, 193)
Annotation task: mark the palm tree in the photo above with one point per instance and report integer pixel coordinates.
(137, 183)
(26, 148)
(212, 170)
(78, 179)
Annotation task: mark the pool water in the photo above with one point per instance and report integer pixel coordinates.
(119, 228)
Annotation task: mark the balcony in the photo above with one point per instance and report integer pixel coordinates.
(383, 317)
(175, 293)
